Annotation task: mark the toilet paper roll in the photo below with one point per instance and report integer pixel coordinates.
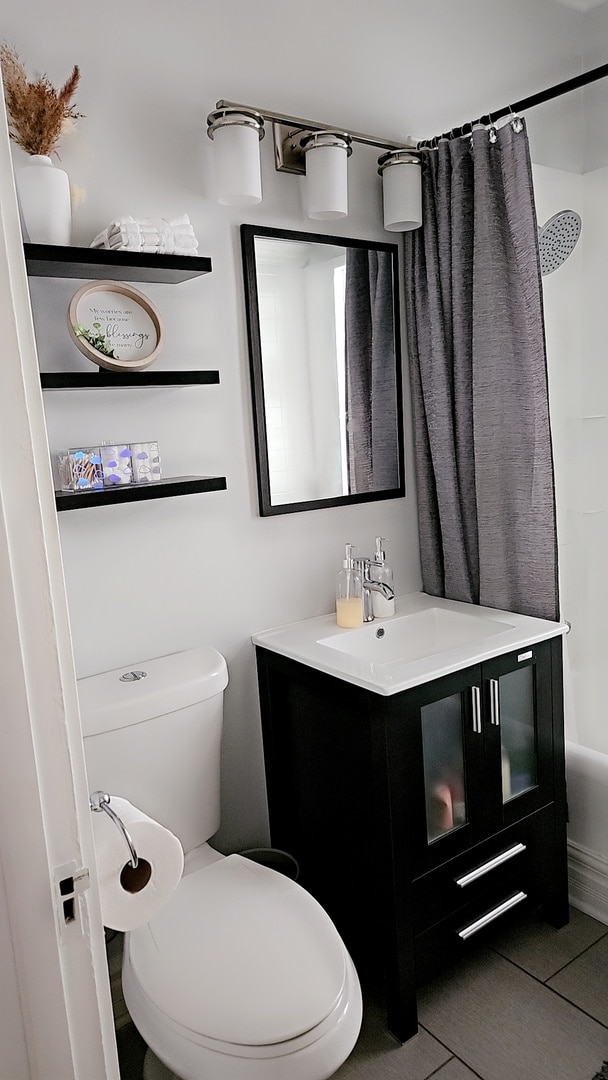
(131, 896)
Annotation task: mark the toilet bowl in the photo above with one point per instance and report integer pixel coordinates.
(241, 975)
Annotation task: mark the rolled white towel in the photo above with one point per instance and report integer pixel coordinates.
(131, 243)
(159, 235)
(101, 240)
(181, 219)
(185, 239)
(123, 225)
(131, 236)
(118, 233)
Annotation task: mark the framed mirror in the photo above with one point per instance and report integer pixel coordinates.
(324, 350)
(325, 361)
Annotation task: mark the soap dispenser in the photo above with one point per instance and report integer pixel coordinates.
(381, 571)
(349, 593)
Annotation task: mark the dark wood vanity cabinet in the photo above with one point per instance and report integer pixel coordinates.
(424, 819)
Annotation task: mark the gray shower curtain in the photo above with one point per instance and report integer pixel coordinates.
(478, 376)
(371, 383)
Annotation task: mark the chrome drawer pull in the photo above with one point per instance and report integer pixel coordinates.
(491, 864)
(476, 700)
(489, 916)
(494, 703)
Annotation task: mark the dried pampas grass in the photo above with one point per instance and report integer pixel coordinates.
(38, 114)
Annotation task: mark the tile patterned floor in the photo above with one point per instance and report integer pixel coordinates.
(530, 1005)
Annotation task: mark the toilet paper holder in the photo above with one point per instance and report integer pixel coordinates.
(100, 801)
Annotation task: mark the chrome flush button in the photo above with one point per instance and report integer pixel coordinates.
(133, 676)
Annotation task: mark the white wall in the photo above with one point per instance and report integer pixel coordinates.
(575, 300)
(556, 190)
(593, 455)
(158, 577)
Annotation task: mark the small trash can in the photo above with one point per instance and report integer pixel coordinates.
(275, 860)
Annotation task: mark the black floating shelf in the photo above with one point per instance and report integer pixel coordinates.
(51, 260)
(95, 380)
(158, 489)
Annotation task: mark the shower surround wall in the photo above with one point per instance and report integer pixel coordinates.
(575, 301)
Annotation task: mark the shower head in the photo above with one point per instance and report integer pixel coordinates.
(557, 239)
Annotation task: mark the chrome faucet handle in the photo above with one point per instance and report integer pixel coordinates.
(363, 566)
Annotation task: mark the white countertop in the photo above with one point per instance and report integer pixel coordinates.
(426, 638)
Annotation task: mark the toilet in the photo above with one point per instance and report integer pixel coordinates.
(241, 975)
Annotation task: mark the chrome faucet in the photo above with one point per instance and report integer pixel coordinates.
(363, 567)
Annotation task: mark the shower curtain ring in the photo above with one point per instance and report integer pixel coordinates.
(516, 121)
(492, 132)
(467, 128)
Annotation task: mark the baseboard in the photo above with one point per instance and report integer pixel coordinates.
(588, 881)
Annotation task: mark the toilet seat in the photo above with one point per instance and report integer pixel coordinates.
(241, 956)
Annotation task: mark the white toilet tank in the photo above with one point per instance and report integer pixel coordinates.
(152, 735)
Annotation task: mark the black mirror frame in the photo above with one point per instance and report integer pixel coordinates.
(267, 508)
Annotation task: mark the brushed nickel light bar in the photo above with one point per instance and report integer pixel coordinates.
(314, 149)
(289, 131)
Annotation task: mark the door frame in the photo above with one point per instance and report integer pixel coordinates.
(58, 978)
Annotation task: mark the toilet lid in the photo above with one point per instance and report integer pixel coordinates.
(241, 954)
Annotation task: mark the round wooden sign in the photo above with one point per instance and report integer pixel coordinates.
(115, 326)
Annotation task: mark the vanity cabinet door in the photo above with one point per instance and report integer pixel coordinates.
(435, 750)
(474, 751)
(518, 734)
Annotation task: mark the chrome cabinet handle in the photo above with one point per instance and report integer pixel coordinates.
(491, 864)
(494, 703)
(476, 700)
(489, 916)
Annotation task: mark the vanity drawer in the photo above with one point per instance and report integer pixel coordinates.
(451, 939)
(478, 876)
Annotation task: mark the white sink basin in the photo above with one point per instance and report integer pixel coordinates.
(404, 638)
(426, 638)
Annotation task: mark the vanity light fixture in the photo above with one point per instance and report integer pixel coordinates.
(236, 135)
(319, 152)
(401, 190)
(326, 154)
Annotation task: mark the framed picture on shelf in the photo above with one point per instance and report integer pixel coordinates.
(115, 326)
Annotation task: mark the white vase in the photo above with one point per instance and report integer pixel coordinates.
(44, 201)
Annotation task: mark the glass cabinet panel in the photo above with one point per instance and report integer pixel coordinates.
(444, 778)
(514, 702)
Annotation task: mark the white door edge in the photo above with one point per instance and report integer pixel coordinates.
(59, 974)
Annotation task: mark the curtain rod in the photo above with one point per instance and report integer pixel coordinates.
(535, 99)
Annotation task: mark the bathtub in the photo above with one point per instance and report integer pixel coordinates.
(587, 780)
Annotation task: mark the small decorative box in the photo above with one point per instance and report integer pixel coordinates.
(80, 469)
(145, 460)
(116, 462)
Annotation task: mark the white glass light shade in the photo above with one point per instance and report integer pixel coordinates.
(236, 138)
(401, 191)
(326, 185)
